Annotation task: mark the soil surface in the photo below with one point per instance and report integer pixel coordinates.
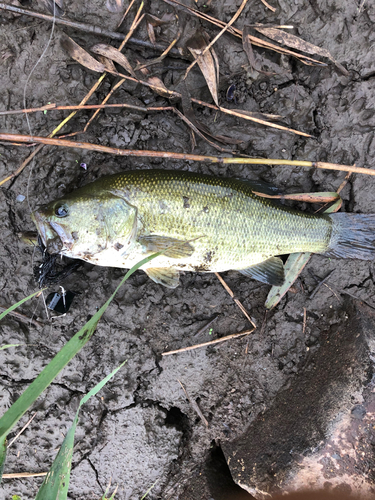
(141, 430)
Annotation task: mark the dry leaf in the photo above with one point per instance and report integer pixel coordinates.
(108, 63)
(115, 55)
(153, 21)
(80, 55)
(295, 42)
(246, 43)
(158, 86)
(151, 33)
(201, 127)
(115, 5)
(206, 62)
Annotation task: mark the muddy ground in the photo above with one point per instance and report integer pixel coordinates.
(141, 428)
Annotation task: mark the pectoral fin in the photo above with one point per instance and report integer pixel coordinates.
(172, 247)
(166, 276)
(271, 271)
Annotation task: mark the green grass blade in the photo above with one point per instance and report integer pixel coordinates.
(7, 346)
(3, 454)
(62, 358)
(56, 484)
(14, 306)
(148, 491)
(292, 269)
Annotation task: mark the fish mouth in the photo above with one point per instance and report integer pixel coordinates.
(41, 226)
(51, 234)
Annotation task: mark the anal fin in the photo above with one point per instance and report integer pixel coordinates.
(166, 276)
(171, 247)
(271, 271)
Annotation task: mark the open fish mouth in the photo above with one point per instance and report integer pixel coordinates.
(50, 233)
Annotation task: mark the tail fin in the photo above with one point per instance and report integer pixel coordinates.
(353, 236)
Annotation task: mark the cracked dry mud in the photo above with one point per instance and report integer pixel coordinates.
(141, 428)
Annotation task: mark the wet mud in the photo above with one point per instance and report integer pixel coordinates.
(141, 430)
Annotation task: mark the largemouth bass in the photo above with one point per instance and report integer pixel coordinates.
(201, 223)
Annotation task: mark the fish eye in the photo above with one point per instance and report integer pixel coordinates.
(61, 210)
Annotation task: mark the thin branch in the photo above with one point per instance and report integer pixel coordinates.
(211, 342)
(126, 13)
(194, 404)
(172, 155)
(238, 33)
(89, 28)
(234, 18)
(243, 310)
(264, 2)
(23, 318)
(137, 19)
(22, 430)
(54, 132)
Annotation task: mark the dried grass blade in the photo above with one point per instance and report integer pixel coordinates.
(264, 2)
(80, 55)
(246, 116)
(151, 33)
(126, 13)
(238, 33)
(108, 63)
(296, 42)
(206, 62)
(260, 116)
(194, 126)
(158, 86)
(325, 197)
(115, 55)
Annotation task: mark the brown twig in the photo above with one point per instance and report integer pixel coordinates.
(238, 33)
(161, 57)
(211, 342)
(89, 28)
(126, 13)
(136, 21)
(22, 317)
(344, 183)
(177, 156)
(264, 2)
(320, 283)
(228, 25)
(304, 320)
(171, 93)
(52, 134)
(194, 404)
(235, 299)
(66, 120)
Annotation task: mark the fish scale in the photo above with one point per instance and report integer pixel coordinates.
(200, 222)
(239, 227)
